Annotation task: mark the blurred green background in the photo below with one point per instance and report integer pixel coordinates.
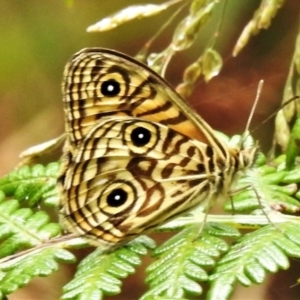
(38, 37)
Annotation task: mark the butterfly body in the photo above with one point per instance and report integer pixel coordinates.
(136, 155)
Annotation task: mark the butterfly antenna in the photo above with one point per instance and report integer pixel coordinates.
(275, 112)
(258, 93)
(246, 131)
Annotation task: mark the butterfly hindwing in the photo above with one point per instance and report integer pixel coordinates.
(122, 173)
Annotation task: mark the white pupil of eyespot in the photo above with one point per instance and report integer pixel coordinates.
(110, 88)
(117, 197)
(141, 136)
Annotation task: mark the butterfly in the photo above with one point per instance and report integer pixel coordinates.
(136, 155)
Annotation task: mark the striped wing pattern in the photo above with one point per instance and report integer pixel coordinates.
(136, 155)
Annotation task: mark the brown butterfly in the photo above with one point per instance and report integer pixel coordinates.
(136, 154)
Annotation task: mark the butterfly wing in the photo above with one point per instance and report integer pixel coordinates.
(130, 175)
(101, 82)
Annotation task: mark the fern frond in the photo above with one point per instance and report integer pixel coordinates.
(253, 256)
(32, 184)
(275, 186)
(98, 274)
(22, 227)
(18, 272)
(182, 260)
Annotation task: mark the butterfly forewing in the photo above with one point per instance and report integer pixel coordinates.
(136, 154)
(101, 82)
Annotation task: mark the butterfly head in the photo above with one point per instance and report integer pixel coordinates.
(247, 152)
(247, 157)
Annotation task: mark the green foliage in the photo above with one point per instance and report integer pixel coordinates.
(182, 261)
(16, 273)
(293, 145)
(34, 184)
(98, 274)
(22, 228)
(270, 186)
(254, 255)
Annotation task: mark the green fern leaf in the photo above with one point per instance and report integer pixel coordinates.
(18, 272)
(98, 274)
(32, 184)
(276, 189)
(255, 255)
(22, 227)
(182, 259)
